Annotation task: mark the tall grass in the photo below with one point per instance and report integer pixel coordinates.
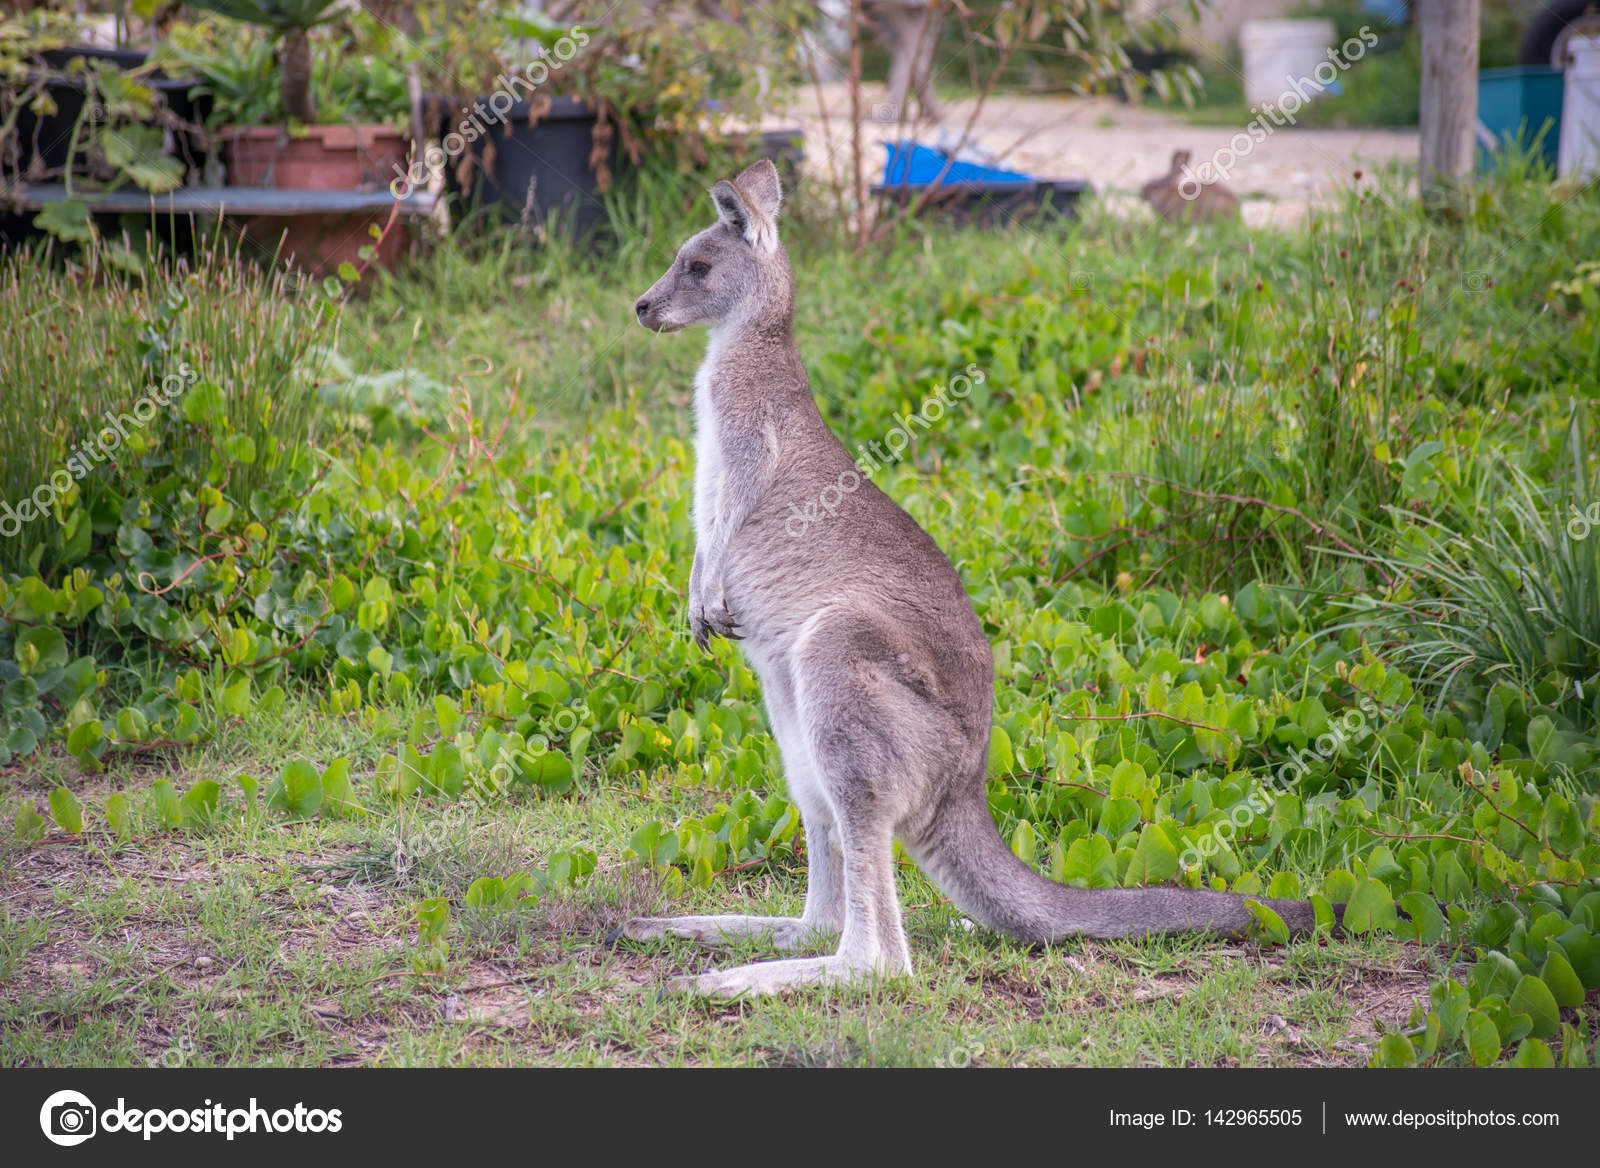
(1270, 439)
(89, 341)
(1515, 597)
(1299, 383)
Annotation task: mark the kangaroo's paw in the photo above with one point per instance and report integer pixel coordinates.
(722, 622)
(774, 977)
(782, 932)
(713, 620)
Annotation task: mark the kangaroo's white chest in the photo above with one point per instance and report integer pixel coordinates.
(707, 446)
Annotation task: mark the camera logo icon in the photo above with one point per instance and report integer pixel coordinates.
(68, 1118)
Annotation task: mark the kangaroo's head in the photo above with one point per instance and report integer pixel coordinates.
(735, 271)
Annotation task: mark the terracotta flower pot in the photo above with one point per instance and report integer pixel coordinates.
(321, 158)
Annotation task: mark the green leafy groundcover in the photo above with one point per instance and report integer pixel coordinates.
(527, 603)
(509, 591)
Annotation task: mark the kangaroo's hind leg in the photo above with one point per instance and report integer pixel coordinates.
(824, 911)
(857, 731)
(873, 942)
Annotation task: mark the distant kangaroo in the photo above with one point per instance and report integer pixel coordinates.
(1209, 202)
(878, 678)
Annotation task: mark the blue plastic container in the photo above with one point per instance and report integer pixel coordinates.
(1516, 104)
(913, 164)
(1394, 13)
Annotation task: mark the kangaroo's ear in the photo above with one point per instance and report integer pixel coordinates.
(761, 188)
(749, 204)
(731, 208)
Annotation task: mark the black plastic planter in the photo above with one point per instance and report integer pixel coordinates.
(540, 174)
(121, 58)
(989, 204)
(43, 141)
(530, 174)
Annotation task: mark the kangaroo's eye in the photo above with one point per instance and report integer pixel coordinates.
(699, 268)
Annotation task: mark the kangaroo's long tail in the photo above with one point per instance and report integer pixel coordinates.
(964, 854)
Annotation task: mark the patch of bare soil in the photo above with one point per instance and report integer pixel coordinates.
(1380, 998)
(1382, 995)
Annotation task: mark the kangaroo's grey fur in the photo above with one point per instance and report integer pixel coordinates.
(878, 678)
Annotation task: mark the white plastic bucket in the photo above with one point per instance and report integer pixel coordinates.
(1580, 109)
(1281, 56)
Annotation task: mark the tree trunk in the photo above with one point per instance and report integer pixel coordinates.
(1449, 114)
(296, 59)
(911, 33)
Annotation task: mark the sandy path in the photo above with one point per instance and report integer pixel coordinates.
(1115, 146)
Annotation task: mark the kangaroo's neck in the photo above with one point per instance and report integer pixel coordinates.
(752, 370)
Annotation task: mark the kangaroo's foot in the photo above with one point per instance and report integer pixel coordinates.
(773, 977)
(785, 933)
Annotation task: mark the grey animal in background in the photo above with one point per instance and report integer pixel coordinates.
(1205, 202)
(877, 676)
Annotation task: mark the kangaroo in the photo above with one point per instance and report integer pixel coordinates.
(1209, 202)
(877, 677)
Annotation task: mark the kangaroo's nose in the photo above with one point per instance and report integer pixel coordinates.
(641, 308)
